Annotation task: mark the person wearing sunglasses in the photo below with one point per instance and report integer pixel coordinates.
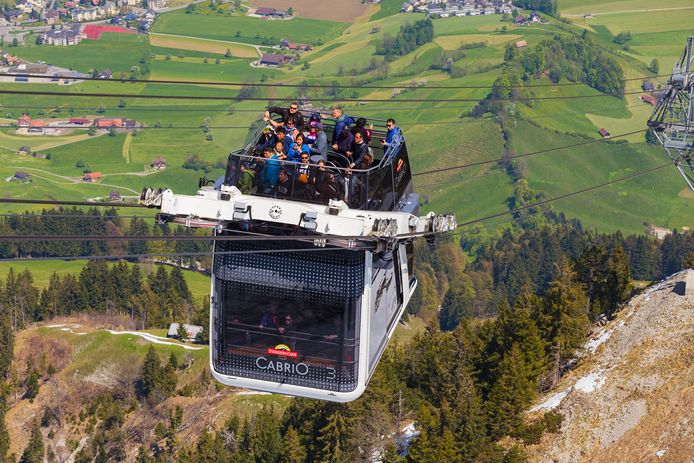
(287, 114)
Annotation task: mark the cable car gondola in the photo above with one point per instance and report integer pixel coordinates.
(306, 290)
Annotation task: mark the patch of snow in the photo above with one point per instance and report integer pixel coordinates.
(590, 383)
(593, 344)
(253, 393)
(65, 329)
(407, 433)
(154, 339)
(54, 326)
(660, 453)
(551, 403)
(621, 323)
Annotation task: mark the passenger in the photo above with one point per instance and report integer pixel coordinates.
(394, 133)
(270, 170)
(283, 188)
(279, 151)
(358, 150)
(292, 113)
(311, 133)
(329, 187)
(270, 319)
(341, 120)
(360, 126)
(286, 330)
(367, 162)
(344, 141)
(247, 179)
(279, 135)
(298, 148)
(291, 129)
(320, 146)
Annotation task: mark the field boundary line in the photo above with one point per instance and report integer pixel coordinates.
(126, 147)
(256, 47)
(643, 10)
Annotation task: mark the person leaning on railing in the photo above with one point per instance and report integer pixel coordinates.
(287, 114)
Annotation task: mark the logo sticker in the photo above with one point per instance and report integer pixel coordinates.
(283, 350)
(275, 212)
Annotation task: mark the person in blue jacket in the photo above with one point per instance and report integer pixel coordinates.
(297, 148)
(271, 170)
(394, 133)
(341, 120)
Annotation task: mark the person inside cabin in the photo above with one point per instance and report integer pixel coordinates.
(280, 134)
(341, 120)
(270, 320)
(283, 188)
(304, 174)
(286, 330)
(291, 129)
(287, 114)
(360, 126)
(329, 187)
(358, 150)
(279, 151)
(393, 134)
(246, 180)
(310, 133)
(366, 162)
(270, 170)
(344, 141)
(298, 148)
(320, 145)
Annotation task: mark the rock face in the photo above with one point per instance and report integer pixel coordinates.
(632, 397)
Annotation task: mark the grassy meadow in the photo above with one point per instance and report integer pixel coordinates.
(439, 134)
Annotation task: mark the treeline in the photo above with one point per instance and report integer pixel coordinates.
(546, 6)
(155, 300)
(410, 37)
(530, 259)
(92, 222)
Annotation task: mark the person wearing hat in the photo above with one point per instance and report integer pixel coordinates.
(320, 146)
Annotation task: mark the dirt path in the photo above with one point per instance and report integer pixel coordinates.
(645, 10)
(126, 147)
(73, 180)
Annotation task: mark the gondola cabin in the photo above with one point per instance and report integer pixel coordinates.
(308, 282)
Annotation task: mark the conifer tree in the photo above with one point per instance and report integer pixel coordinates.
(331, 439)
(4, 435)
(151, 372)
(34, 451)
(509, 395)
(447, 448)
(266, 442)
(293, 451)
(178, 284)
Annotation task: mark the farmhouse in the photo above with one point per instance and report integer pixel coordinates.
(191, 331)
(24, 150)
(23, 120)
(79, 121)
(271, 13)
(92, 176)
(521, 44)
(647, 85)
(106, 74)
(159, 163)
(103, 123)
(650, 99)
(37, 126)
(21, 177)
(274, 60)
(287, 44)
(604, 133)
(114, 196)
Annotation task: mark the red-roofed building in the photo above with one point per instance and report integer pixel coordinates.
(108, 123)
(92, 177)
(37, 126)
(159, 163)
(604, 133)
(24, 120)
(649, 99)
(79, 121)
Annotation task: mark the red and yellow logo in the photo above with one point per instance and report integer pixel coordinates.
(283, 350)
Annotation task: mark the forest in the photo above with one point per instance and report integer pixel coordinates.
(515, 313)
(410, 37)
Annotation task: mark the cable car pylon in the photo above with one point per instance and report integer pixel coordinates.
(672, 120)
